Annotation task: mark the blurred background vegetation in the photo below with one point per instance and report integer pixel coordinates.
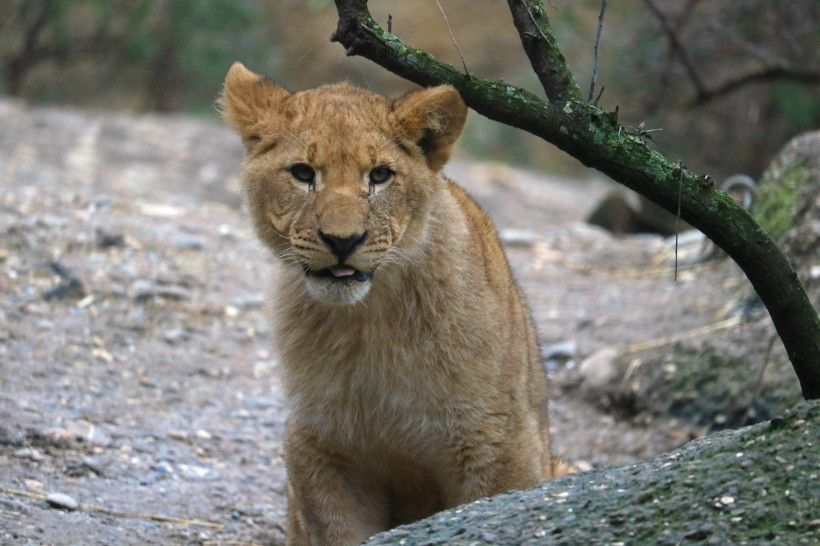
(727, 82)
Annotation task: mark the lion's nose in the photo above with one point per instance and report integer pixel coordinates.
(343, 246)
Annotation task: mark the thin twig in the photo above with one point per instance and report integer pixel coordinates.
(597, 44)
(691, 334)
(677, 216)
(677, 45)
(601, 92)
(121, 513)
(453, 37)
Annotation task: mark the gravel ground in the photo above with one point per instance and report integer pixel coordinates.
(137, 375)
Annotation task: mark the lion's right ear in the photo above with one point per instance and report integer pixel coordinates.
(248, 99)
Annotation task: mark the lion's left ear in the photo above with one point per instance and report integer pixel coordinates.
(433, 118)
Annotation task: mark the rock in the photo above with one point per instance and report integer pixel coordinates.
(788, 206)
(109, 240)
(250, 301)
(599, 370)
(62, 502)
(142, 289)
(70, 288)
(562, 353)
(609, 505)
(625, 212)
(29, 453)
(517, 237)
(197, 473)
(176, 335)
(564, 350)
(188, 242)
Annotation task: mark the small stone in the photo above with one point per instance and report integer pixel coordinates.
(176, 335)
(747, 464)
(188, 242)
(701, 532)
(29, 453)
(258, 403)
(254, 301)
(727, 500)
(164, 467)
(194, 472)
(179, 435)
(517, 237)
(62, 502)
(142, 289)
(565, 350)
(109, 240)
(599, 370)
(173, 292)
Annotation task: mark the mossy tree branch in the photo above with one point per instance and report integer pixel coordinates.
(596, 139)
(547, 61)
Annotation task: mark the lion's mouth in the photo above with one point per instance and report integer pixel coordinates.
(341, 273)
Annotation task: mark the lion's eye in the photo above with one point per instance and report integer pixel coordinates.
(380, 175)
(303, 173)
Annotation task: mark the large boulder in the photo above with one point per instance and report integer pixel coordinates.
(788, 206)
(757, 485)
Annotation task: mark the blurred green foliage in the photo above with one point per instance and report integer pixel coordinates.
(168, 55)
(145, 54)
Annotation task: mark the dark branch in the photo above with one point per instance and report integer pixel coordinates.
(595, 138)
(705, 94)
(677, 45)
(769, 74)
(541, 47)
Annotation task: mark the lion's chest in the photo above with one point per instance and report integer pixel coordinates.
(357, 388)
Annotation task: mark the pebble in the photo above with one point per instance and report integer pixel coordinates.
(176, 335)
(562, 353)
(188, 242)
(253, 301)
(565, 350)
(599, 370)
(164, 467)
(194, 472)
(62, 502)
(29, 453)
(142, 289)
(518, 237)
(258, 403)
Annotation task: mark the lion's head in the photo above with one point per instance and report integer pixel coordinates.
(339, 180)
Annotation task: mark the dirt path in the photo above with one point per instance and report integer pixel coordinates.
(148, 387)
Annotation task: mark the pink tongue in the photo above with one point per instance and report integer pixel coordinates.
(342, 271)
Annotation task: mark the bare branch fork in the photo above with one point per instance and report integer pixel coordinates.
(595, 138)
(705, 94)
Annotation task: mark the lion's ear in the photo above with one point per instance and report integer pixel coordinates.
(246, 99)
(433, 118)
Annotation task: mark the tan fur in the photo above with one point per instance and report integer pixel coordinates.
(421, 388)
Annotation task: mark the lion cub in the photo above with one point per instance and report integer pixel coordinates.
(408, 355)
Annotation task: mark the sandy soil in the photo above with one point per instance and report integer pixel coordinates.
(139, 379)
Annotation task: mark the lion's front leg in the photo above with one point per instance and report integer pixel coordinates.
(331, 500)
(487, 463)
